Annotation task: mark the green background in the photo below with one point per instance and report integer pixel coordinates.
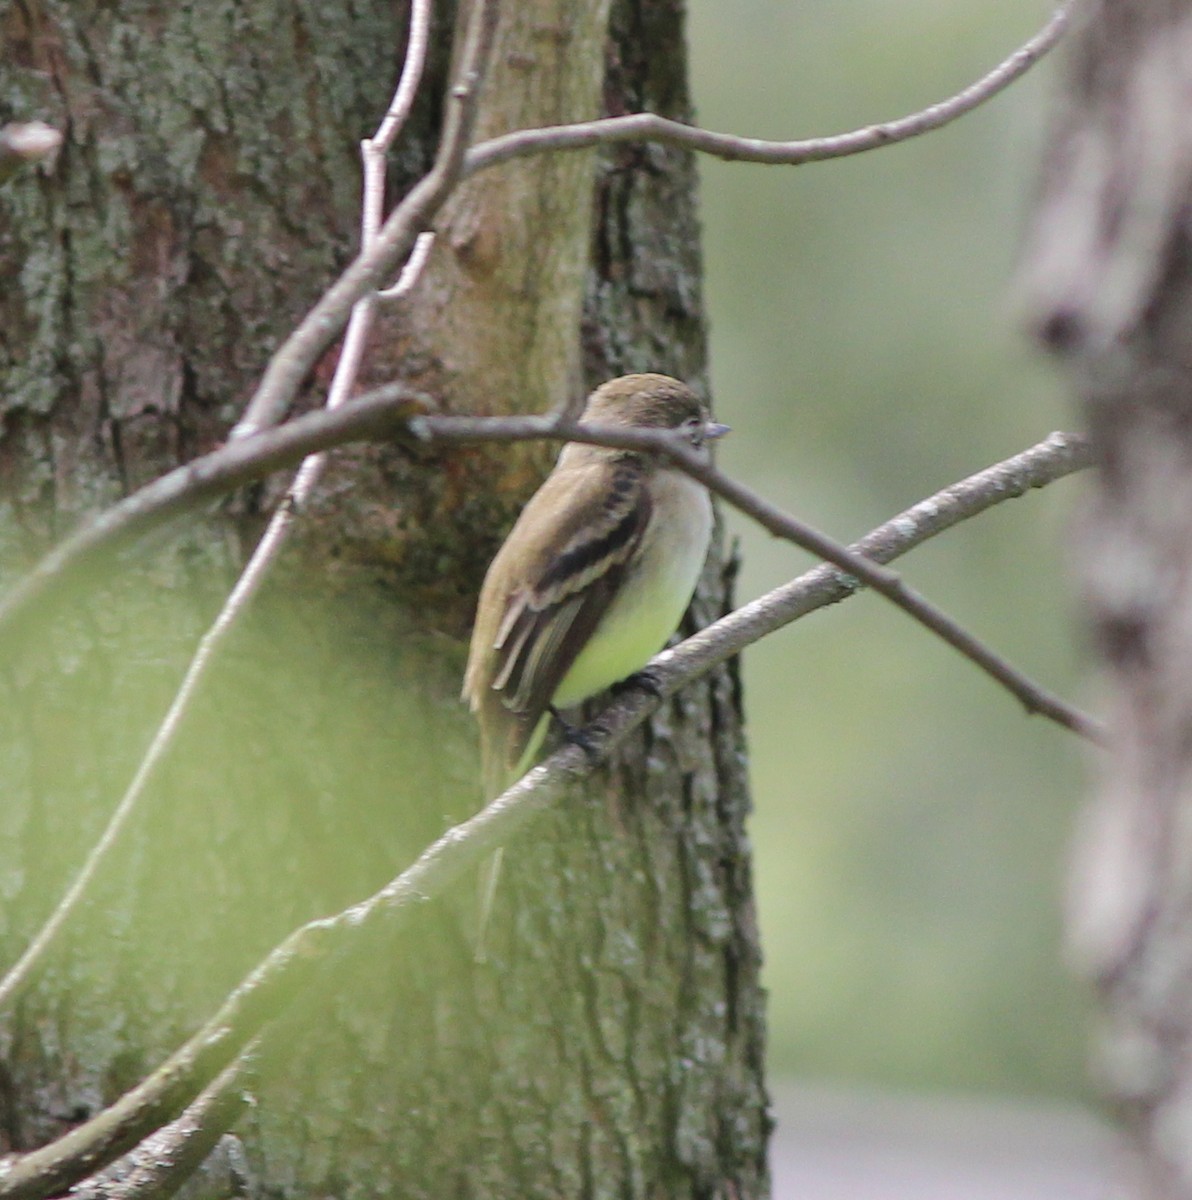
(911, 822)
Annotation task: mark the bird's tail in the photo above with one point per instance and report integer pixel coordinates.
(490, 874)
(498, 775)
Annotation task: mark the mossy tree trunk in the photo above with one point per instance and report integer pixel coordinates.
(206, 192)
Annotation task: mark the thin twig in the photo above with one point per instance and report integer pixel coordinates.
(638, 127)
(293, 968)
(319, 328)
(1059, 455)
(405, 92)
(423, 244)
(375, 150)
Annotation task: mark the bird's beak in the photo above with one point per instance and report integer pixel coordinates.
(714, 430)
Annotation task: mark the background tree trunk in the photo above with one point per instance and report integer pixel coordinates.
(206, 193)
(1111, 290)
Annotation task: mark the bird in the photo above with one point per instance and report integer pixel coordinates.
(593, 578)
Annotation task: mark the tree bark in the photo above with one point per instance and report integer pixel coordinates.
(1111, 292)
(206, 192)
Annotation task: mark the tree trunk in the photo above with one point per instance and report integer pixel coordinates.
(206, 192)
(1111, 290)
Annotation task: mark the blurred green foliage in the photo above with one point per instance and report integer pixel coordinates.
(911, 822)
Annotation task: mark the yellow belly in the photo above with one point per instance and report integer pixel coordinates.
(630, 634)
(650, 604)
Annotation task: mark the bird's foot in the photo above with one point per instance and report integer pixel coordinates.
(644, 680)
(577, 735)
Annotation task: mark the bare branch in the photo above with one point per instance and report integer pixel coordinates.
(166, 1159)
(375, 150)
(292, 970)
(372, 153)
(319, 328)
(1059, 455)
(640, 127)
(288, 971)
(407, 87)
(423, 244)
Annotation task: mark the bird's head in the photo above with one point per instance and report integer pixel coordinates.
(652, 402)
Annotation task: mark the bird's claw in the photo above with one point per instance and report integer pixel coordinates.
(644, 680)
(578, 735)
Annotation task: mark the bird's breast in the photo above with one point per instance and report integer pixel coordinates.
(654, 593)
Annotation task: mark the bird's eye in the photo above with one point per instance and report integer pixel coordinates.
(693, 427)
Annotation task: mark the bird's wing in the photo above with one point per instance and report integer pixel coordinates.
(553, 610)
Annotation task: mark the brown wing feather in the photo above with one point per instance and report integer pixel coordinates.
(549, 604)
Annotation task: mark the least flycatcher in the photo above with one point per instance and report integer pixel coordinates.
(594, 576)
